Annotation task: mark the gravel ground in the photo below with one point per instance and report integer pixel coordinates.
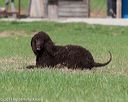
(101, 21)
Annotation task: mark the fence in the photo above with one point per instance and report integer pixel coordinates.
(98, 8)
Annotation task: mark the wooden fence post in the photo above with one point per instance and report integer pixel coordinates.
(88, 3)
(37, 8)
(119, 8)
(53, 9)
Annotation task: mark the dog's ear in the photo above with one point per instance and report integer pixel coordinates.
(49, 47)
(33, 45)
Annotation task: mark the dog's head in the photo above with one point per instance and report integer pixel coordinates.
(40, 42)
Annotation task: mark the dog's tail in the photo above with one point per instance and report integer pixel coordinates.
(103, 64)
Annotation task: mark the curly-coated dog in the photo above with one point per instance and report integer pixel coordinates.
(72, 56)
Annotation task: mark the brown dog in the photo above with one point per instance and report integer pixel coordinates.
(71, 56)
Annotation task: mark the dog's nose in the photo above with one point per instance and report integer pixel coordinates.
(38, 48)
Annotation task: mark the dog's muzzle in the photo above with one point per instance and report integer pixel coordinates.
(38, 49)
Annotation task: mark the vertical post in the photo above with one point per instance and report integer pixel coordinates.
(52, 9)
(88, 3)
(13, 8)
(19, 8)
(37, 8)
(7, 4)
(119, 7)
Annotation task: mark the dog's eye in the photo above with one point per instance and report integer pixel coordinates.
(36, 40)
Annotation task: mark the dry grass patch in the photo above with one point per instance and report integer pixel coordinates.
(13, 33)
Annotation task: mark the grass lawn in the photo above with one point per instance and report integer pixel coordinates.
(105, 84)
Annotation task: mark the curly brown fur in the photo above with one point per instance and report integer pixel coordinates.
(72, 56)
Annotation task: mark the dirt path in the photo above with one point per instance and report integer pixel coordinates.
(101, 21)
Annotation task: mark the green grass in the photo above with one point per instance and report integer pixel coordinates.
(54, 86)
(106, 84)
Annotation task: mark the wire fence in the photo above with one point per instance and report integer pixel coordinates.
(98, 8)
